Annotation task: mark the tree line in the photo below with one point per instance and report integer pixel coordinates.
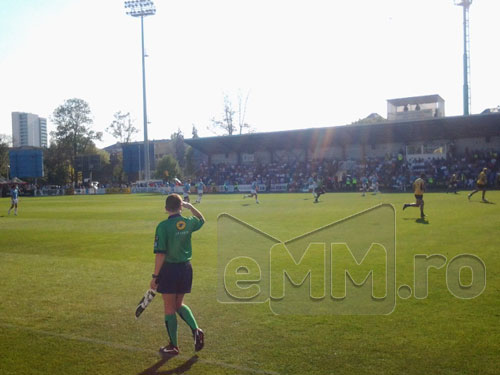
(74, 137)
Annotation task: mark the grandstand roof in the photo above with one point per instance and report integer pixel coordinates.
(117, 147)
(422, 130)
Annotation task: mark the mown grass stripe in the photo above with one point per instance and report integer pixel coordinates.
(130, 348)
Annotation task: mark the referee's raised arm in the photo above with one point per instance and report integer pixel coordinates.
(193, 210)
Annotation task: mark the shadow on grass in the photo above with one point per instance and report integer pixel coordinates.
(245, 204)
(186, 366)
(421, 221)
(487, 202)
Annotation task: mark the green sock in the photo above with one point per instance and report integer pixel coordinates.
(187, 315)
(171, 324)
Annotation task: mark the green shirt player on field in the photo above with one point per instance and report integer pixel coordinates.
(173, 274)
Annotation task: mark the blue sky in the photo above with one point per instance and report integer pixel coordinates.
(304, 63)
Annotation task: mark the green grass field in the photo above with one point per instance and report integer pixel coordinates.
(72, 270)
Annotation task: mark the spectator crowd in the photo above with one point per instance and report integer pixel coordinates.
(392, 172)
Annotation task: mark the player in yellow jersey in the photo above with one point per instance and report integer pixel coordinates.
(482, 181)
(452, 184)
(419, 189)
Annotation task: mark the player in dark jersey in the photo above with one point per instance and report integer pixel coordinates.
(364, 185)
(318, 189)
(173, 274)
(452, 184)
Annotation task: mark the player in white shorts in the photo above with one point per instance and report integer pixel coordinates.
(200, 186)
(186, 190)
(14, 197)
(253, 191)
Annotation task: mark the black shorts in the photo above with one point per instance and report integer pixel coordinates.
(419, 197)
(480, 187)
(175, 278)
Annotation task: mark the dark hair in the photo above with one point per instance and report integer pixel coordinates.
(173, 202)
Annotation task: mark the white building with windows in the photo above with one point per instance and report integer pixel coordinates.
(28, 130)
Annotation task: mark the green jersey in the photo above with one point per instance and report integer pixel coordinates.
(173, 237)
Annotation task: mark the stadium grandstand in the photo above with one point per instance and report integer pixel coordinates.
(393, 152)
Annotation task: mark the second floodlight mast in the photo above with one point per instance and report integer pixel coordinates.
(466, 4)
(143, 8)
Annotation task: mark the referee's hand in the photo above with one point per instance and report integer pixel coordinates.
(154, 283)
(187, 205)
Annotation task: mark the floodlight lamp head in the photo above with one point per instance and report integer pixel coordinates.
(140, 8)
(463, 3)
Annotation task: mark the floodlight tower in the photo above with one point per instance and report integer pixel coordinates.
(466, 4)
(143, 8)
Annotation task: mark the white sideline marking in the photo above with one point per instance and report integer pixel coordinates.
(134, 349)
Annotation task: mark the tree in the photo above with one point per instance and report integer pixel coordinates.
(228, 122)
(195, 132)
(104, 171)
(122, 128)
(4, 155)
(58, 169)
(73, 120)
(373, 118)
(118, 173)
(242, 110)
(190, 168)
(167, 168)
(179, 147)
